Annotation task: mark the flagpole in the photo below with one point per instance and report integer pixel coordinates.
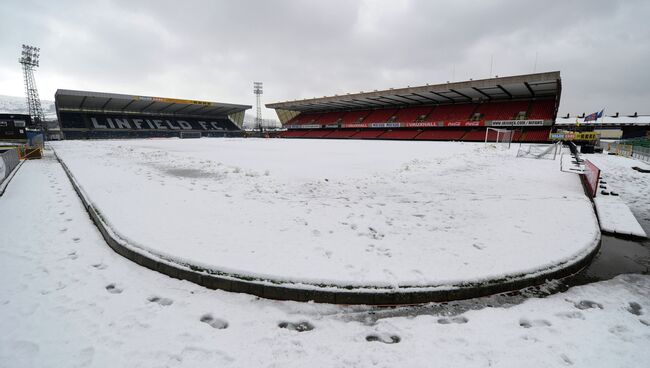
(602, 121)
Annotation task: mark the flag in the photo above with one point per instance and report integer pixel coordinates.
(595, 116)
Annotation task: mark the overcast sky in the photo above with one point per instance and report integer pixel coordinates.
(214, 50)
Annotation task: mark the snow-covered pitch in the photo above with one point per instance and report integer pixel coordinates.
(337, 212)
(68, 300)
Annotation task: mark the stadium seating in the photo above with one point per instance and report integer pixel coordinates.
(369, 133)
(330, 118)
(458, 112)
(294, 120)
(502, 110)
(453, 113)
(441, 135)
(72, 120)
(342, 134)
(475, 136)
(400, 134)
(542, 109)
(317, 133)
(293, 133)
(354, 116)
(380, 116)
(412, 114)
(304, 118)
(536, 135)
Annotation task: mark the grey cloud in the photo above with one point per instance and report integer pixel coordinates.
(214, 50)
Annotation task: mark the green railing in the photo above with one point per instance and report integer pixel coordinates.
(637, 142)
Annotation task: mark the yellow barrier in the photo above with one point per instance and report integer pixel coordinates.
(624, 150)
(25, 152)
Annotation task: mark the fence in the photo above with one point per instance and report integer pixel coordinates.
(628, 150)
(641, 153)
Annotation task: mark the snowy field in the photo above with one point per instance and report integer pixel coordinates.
(338, 212)
(67, 300)
(632, 186)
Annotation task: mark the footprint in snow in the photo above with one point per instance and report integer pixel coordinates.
(162, 301)
(587, 304)
(217, 323)
(534, 323)
(301, 326)
(100, 266)
(634, 308)
(386, 339)
(113, 289)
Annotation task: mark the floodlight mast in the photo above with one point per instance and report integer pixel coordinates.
(29, 59)
(258, 91)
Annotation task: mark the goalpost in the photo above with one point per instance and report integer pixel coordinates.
(502, 136)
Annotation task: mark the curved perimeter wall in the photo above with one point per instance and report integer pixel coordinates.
(305, 292)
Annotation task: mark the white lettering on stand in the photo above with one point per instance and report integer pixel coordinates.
(96, 125)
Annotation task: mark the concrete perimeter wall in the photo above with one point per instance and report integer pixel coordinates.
(8, 161)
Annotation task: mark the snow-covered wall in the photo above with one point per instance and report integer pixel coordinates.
(8, 161)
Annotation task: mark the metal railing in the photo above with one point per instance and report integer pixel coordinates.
(628, 150)
(641, 153)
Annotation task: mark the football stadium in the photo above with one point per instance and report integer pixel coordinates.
(351, 203)
(467, 219)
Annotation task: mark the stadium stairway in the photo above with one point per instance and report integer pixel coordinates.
(474, 136)
(330, 118)
(380, 116)
(412, 114)
(502, 110)
(354, 116)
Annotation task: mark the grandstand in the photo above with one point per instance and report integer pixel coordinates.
(96, 115)
(452, 111)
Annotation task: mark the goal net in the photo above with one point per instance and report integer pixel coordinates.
(539, 151)
(499, 137)
(190, 135)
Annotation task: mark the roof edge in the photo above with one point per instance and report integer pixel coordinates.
(535, 77)
(70, 92)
